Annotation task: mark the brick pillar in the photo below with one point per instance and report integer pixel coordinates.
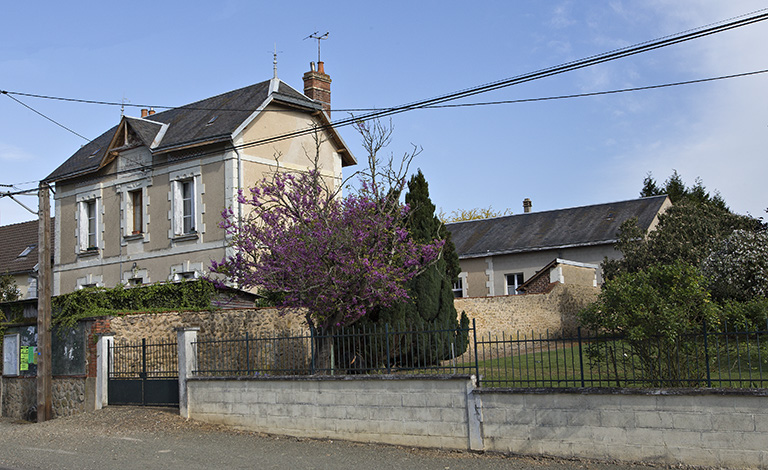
(187, 363)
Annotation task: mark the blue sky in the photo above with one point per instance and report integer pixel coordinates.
(560, 153)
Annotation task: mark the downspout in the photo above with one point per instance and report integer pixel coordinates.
(239, 186)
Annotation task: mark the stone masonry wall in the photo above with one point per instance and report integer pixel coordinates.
(218, 324)
(20, 396)
(554, 311)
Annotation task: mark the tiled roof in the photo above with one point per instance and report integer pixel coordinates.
(210, 120)
(578, 226)
(14, 239)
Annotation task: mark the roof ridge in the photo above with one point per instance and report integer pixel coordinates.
(561, 209)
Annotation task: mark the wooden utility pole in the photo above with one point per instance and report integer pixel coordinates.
(44, 385)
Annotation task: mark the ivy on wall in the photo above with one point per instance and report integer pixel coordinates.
(100, 301)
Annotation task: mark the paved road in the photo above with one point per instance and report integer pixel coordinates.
(149, 438)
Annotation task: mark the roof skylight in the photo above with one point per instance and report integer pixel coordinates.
(27, 250)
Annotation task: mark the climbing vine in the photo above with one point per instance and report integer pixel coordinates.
(99, 301)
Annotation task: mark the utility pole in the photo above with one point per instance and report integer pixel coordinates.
(44, 381)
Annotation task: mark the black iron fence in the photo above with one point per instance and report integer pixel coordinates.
(727, 359)
(398, 349)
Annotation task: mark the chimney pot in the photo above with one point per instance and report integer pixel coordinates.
(151, 111)
(144, 112)
(527, 204)
(321, 67)
(312, 66)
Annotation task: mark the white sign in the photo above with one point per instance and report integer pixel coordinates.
(11, 354)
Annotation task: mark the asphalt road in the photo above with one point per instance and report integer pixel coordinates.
(149, 438)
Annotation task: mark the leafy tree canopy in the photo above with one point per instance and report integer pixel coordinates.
(8, 289)
(476, 213)
(688, 231)
(737, 269)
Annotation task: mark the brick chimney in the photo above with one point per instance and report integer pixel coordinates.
(317, 85)
(144, 112)
(527, 204)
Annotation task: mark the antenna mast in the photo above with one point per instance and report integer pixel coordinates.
(319, 37)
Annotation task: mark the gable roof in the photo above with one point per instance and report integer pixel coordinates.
(564, 228)
(16, 238)
(203, 122)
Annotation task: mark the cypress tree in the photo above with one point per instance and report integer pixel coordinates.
(430, 304)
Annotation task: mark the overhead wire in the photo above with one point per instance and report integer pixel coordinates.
(46, 117)
(713, 28)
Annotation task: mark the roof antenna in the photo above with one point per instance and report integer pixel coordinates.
(319, 37)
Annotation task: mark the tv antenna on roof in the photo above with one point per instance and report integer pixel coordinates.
(319, 37)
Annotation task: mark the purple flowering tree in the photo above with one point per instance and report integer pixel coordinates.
(335, 257)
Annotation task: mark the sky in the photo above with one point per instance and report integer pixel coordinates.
(559, 153)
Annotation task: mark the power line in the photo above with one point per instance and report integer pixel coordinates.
(639, 48)
(46, 117)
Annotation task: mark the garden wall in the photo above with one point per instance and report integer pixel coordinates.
(403, 411)
(708, 428)
(19, 396)
(554, 311)
(218, 324)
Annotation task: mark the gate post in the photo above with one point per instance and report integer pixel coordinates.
(102, 369)
(187, 362)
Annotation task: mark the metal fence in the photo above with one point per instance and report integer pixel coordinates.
(391, 349)
(727, 359)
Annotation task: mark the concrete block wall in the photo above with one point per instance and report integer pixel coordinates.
(708, 429)
(403, 411)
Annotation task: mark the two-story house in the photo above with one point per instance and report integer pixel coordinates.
(142, 202)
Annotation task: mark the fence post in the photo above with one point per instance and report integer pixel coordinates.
(386, 336)
(581, 357)
(102, 370)
(477, 365)
(706, 354)
(247, 356)
(187, 363)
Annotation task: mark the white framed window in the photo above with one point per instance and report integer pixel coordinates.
(185, 271)
(89, 224)
(90, 280)
(460, 286)
(136, 212)
(186, 207)
(514, 280)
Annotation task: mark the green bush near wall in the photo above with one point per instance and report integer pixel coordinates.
(99, 301)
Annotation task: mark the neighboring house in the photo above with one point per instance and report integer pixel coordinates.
(499, 255)
(19, 256)
(142, 202)
(560, 271)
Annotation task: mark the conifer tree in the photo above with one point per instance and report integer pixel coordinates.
(430, 292)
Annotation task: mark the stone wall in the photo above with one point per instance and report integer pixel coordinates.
(553, 311)
(20, 396)
(218, 324)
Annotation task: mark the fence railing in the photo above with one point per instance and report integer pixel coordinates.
(388, 349)
(728, 359)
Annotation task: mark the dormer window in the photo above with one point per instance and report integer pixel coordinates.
(27, 251)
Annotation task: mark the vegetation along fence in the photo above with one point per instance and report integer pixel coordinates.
(723, 359)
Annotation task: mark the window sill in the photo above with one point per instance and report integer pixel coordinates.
(89, 253)
(135, 236)
(186, 237)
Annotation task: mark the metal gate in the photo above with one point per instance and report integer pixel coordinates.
(143, 374)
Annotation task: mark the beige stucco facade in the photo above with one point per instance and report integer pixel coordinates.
(157, 251)
(487, 276)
